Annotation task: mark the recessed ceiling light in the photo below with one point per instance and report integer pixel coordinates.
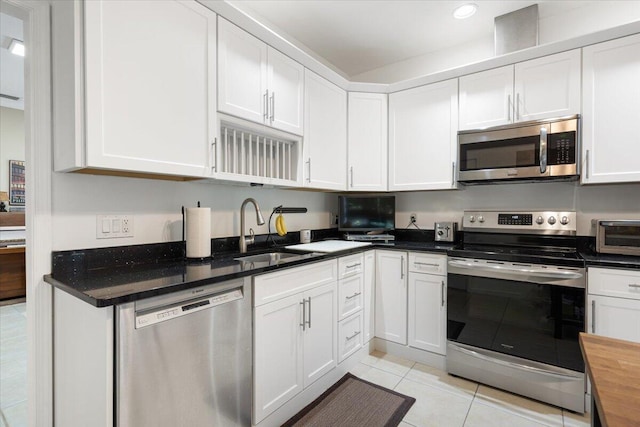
(465, 11)
(16, 47)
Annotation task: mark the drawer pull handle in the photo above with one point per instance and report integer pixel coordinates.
(426, 263)
(353, 336)
(354, 295)
(357, 264)
(633, 285)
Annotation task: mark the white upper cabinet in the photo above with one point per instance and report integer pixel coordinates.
(486, 98)
(367, 142)
(423, 125)
(547, 87)
(145, 102)
(537, 89)
(325, 134)
(256, 82)
(611, 102)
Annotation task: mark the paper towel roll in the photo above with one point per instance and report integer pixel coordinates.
(198, 232)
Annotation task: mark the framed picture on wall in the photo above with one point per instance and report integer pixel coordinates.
(16, 182)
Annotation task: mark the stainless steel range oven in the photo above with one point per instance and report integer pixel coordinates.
(516, 303)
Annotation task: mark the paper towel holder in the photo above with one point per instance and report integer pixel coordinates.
(184, 241)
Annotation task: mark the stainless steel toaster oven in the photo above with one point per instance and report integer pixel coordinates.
(618, 237)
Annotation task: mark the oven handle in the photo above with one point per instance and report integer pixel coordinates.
(619, 223)
(539, 272)
(513, 364)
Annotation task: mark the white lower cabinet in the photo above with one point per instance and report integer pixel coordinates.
(427, 302)
(427, 312)
(350, 304)
(295, 336)
(614, 303)
(369, 288)
(349, 336)
(391, 296)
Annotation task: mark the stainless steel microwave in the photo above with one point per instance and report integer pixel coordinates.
(618, 237)
(537, 150)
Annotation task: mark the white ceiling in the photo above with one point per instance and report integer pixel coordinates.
(356, 36)
(11, 66)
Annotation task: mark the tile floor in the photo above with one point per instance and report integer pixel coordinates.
(13, 365)
(444, 400)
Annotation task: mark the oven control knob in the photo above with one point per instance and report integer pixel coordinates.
(552, 220)
(481, 218)
(564, 220)
(472, 218)
(539, 220)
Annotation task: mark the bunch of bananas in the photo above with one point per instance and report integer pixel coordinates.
(281, 228)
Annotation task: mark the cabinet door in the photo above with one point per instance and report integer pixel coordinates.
(150, 86)
(427, 312)
(325, 134)
(242, 73)
(423, 125)
(486, 98)
(367, 142)
(369, 309)
(278, 354)
(391, 296)
(611, 101)
(286, 92)
(321, 332)
(548, 87)
(614, 317)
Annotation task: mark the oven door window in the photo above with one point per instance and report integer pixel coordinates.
(504, 154)
(528, 320)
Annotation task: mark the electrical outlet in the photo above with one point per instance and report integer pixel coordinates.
(333, 219)
(413, 218)
(114, 226)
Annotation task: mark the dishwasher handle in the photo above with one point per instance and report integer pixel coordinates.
(164, 313)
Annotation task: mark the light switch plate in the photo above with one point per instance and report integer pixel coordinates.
(114, 226)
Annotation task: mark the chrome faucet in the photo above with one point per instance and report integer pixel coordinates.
(245, 241)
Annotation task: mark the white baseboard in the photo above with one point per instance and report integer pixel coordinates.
(406, 352)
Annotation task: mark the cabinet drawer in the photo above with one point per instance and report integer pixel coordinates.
(349, 336)
(274, 286)
(427, 263)
(614, 283)
(350, 296)
(350, 265)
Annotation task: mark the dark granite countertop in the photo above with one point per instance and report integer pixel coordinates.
(110, 276)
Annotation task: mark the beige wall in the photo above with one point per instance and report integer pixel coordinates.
(12, 145)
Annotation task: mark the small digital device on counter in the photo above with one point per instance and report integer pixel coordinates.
(367, 214)
(621, 237)
(445, 231)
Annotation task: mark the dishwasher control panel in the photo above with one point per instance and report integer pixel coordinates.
(151, 317)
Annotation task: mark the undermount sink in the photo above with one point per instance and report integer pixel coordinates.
(271, 257)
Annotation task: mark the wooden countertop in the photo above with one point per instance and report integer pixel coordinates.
(614, 368)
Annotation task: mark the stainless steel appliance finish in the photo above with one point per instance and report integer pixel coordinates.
(527, 222)
(537, 150)
(445, 231)
(184, 359)
(516, 303)
(620, 237)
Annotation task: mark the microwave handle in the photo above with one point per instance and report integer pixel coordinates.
(543, 150)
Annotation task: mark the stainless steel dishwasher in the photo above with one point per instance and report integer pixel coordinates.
(184, 359)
